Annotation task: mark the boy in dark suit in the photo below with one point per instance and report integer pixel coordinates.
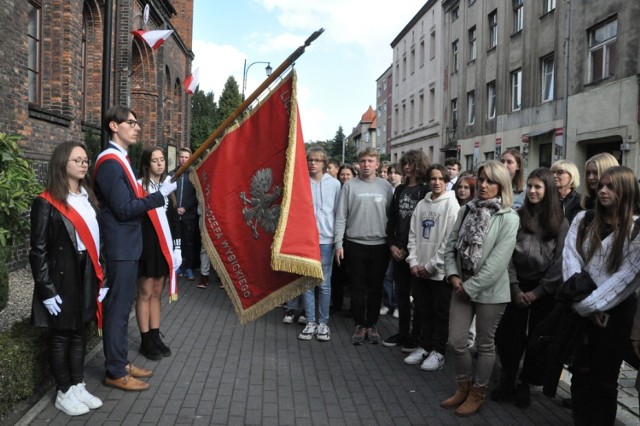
(122, 205)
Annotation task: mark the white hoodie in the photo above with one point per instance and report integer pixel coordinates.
(325, 200)
(431, 223)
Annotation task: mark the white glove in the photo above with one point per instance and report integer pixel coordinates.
(52, 305)
(177, 258)
(168, 187)
(102, 293)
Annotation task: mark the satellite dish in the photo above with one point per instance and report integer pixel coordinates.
(145, 14)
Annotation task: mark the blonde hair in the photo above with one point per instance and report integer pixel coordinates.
(369, 152)
(570, 168)
(602, 161)
(498, 173)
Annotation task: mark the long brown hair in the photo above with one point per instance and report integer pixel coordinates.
(420, 162)
(547, 213)
(620, 217)
(57, 179)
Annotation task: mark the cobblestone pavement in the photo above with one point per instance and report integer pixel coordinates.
(223, 373)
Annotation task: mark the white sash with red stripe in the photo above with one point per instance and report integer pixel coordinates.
(160, 223)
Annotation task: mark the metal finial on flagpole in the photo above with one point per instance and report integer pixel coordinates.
(246, 103)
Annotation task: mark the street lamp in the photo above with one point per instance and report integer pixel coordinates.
(267, 69)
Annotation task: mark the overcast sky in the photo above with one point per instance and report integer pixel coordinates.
(337, 74)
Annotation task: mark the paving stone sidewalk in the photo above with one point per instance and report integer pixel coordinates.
(224, 373)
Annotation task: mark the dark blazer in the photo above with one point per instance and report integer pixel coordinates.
(186, 195)
(57, 270)
(121, 212)
(571, 205)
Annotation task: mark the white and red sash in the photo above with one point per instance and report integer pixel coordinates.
(89, 240)
(114, 154)
(160, 224)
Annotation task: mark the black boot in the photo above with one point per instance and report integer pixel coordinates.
(523, 395)
(505, 390)
(164, 349)
(148, 347)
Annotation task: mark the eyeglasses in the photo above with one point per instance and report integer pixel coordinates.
(132, 123)
(81, 162)
(314, 161)
(560, 172)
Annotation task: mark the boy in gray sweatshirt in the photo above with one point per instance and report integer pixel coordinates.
(361, 241)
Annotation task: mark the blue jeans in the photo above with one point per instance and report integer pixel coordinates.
(324, 289)
(389, 296)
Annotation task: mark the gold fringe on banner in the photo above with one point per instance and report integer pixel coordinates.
(280, 261)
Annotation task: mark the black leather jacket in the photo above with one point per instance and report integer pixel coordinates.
(58, 269)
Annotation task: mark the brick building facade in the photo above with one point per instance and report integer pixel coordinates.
(51, 70)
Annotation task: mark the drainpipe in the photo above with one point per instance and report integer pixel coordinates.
(567, 50)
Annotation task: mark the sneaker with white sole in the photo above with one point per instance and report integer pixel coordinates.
(308, 332)
(396, 314)
(435, 361)
(302, 319)
(323, 334)
(288, 317)
(69, 404)
(85, 397)
(416, 357)
(384, 310)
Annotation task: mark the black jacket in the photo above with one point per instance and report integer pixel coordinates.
(57, 270)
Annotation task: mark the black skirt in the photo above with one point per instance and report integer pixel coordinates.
(152, 263)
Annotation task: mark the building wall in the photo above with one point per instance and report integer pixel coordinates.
(417, 85)
(602, 115)
(64, 111)
(384, 85)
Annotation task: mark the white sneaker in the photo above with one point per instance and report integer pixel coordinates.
(416, 357)
(302, 319)
(288, 317)
(396, 314)
(69, 404)
(435, 361)
(308, 332)
(85, 397)
(323, 332)
(384, 310)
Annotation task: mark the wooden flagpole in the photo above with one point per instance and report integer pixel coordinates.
(234, 115)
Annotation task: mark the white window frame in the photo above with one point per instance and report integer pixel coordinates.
(547, 72)
(493, 29)
(518, 15)
(471, 107)
(602, 42)
(516, 90)
(455, 48)
(454, 113)
(548, 6)
(491, 100)
(473, 43)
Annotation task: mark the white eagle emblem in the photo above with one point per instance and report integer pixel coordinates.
(259, 208)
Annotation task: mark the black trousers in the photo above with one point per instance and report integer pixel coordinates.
(432, 301)
(512, 338)
(596, 366)
(66, 354)
(366, 267)
(402, 281)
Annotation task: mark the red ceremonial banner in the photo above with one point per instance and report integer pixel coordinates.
(259, 226)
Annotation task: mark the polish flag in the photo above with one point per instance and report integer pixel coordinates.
(153, 38)
(191, 82)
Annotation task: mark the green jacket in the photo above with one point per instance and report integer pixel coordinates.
(490, 280)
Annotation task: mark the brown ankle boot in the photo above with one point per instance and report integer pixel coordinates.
(475, 400)
(459, 397)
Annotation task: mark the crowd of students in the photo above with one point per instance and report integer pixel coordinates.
(483, 261)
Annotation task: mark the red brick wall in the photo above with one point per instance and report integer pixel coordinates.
(60, 115)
